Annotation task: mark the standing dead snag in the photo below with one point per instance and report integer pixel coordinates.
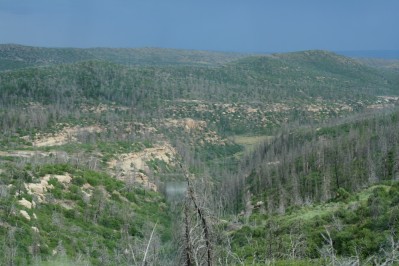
(192, 197)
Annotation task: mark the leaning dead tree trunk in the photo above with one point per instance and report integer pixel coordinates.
(187, 237)
(148, 245)
(204, 223)
(192, 197)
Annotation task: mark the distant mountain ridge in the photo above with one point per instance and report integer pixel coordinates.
(14, 56)
(382, 54)
(293, 76)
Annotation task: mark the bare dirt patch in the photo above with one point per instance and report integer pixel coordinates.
(380, 106)
(28, 154)
(345, 107)
(201, 108)
(22, 154)
(68, 134)
(188, 124)
(314, 108)
(251, 110)
(100, 108)
(389, 98)
(189, 101)
(278, 107)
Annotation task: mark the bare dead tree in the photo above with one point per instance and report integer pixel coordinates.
(148, 245)
(390, 253)
(188, 248)
(204, 222)
(328, 251)
(202, 216)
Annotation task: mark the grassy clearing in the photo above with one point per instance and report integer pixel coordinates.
(365, 194)
(308, 213)
(250, 142)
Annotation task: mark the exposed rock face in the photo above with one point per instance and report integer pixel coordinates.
(134, 165)
(39, 189)
(25, 214)
(26, 203)
(66, 179)
(143, 180)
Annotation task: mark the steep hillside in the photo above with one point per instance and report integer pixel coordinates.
(313, 164)
(62, 210)
(352, 229)
(320, 195)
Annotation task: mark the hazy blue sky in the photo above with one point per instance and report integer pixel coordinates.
(227, 25)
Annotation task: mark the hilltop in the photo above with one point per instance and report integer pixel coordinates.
(13, 56)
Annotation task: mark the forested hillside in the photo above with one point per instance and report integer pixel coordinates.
(14, 56)
(173, 157)
(333, 183)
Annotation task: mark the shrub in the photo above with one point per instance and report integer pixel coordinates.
(78, 180)
(342, 194)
